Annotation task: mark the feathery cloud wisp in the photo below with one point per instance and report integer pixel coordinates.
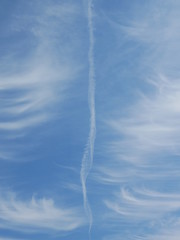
(146, 135)
(37, 214)
(33, 89)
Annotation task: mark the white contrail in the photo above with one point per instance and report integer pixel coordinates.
(87, 160)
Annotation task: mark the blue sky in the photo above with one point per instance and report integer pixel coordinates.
(89, 124)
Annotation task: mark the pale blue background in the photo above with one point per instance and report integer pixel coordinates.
(133, 186)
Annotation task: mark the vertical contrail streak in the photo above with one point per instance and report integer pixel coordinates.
(87, 160)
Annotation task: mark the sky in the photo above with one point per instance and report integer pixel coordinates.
(90, 120)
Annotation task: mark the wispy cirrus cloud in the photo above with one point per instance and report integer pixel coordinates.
(32, 89)
(38, 66)
(40, 80)
(37, 214)
(152, 126)
(144, 204)
(148, 130)
(144, 150)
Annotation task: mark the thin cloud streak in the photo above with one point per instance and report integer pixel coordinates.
(87, 160)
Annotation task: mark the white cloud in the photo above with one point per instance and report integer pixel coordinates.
(37, 70)
(144, 149)
(37, 214)
(152, 126)
(38, 82)
(143, 204)
(88, 156)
